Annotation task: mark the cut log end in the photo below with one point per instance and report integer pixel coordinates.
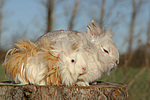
(99, 91)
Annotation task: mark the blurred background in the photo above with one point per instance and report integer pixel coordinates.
(128, 19)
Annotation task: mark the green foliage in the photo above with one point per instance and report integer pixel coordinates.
(2, 73)
(139, 90)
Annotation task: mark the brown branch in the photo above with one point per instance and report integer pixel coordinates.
(131, 31)
(102, 13)
(147, 54)
(131, 38)
(27, 27)
(50, 17)
(127, 58)
(1, 15)
(73, 14)
(135, 11)
(132, 26)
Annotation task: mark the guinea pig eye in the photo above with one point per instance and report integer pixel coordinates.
(72, 60)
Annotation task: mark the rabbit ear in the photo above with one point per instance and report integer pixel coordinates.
(108, 33)
(96, 28)
(93, 30)
(90, 32)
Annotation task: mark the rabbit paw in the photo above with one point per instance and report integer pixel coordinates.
(82, 83)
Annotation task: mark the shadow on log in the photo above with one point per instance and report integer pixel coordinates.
(99, 91)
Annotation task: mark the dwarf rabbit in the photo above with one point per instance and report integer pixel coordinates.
(101, 60)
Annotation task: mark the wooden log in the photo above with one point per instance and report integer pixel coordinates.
(99, 91)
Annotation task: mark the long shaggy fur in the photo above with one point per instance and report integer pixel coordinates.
(52, 76)
(99, 50)
(16, 59)
(66, 52)
(29, 63)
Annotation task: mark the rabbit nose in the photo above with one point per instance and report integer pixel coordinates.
(117, 62)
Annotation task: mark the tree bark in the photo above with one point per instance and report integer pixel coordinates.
(99, 91)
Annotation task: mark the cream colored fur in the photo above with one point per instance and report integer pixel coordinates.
(47, 63)
(69, 70)
(103, 55)
(100, 51)
(94, 49)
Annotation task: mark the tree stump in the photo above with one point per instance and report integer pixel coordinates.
(99, 91)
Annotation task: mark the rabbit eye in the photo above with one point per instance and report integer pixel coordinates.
(106, 50)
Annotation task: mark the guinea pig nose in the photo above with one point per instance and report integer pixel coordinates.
(83, 68)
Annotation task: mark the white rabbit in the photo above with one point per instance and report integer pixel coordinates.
(101, 60)
(100, 51)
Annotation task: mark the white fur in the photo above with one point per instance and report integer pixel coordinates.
(35, 70)
(96, 52)
(106, 55)
(20, 78)
(69, 70)
(33, 73)
(100, 52)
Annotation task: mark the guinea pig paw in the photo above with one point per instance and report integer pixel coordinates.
(60, 85)
(73, 84)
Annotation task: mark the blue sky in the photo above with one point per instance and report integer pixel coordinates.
(28, 17)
